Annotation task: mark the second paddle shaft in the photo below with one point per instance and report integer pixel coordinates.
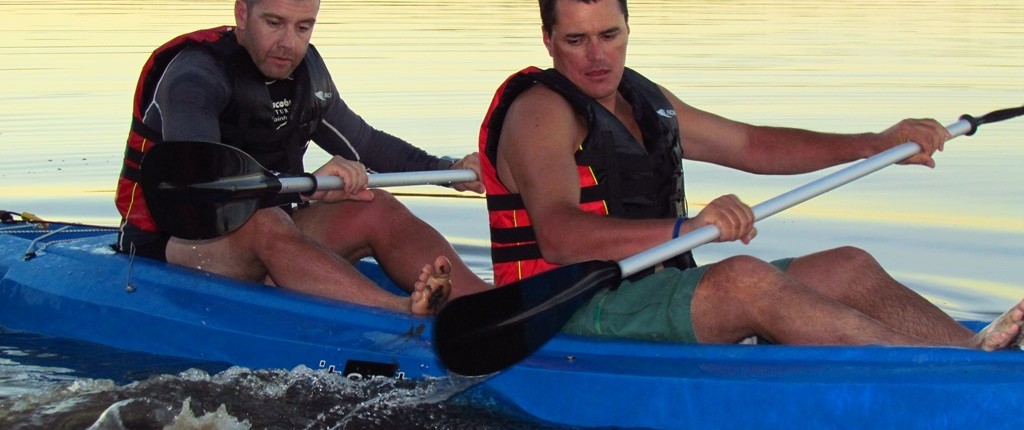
(302, 184)
(709, 233)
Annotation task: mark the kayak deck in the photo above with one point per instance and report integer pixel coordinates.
(76, 286)
(155, 307)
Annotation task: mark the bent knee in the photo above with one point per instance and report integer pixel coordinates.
(385, 206)
(744, 266)
(266, 227)
(269, 221)
(740, 284)
(854, 253)
(383, 196)
(742, 273)
(852, 257)
(380, 209)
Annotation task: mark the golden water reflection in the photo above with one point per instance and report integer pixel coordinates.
(426, 70)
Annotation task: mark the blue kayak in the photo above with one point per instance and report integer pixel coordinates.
(64, 280)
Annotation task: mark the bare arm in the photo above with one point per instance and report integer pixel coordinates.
(541, 134)
(778, 150)
(535, 158)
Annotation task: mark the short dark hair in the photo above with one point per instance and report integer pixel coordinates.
(547, 12)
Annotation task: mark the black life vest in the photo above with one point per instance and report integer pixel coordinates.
(246, 123)
(619, 177)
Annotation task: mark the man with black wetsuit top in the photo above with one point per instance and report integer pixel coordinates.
(260, 86)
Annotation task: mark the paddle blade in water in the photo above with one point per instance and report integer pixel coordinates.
(202, 190)
(490, 331)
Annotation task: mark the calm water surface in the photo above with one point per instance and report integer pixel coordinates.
(426, 71)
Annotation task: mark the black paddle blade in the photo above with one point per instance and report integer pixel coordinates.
(203, 190)
(994, 116)
(486, 332)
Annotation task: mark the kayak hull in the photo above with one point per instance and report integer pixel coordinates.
(84, 290)
(77, 287)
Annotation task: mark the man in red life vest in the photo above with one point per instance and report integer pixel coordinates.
(260, 86)
(582, 162)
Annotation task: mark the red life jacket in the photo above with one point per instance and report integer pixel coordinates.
(246, 123)
(617, 176)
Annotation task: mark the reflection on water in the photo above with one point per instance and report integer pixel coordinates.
(426, 71)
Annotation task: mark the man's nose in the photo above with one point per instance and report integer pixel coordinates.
(594, 51)
(288, 38)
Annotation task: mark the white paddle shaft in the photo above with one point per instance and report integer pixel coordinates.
(709, 233)
(304, 184)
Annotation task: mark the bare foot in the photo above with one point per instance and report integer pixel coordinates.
(1002, 333)
(433, 287)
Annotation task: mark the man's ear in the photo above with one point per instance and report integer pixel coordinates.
(241, 10)
(547, 41)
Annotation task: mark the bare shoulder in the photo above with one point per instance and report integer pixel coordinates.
(540, 101)
(541, 114)
(538, 139)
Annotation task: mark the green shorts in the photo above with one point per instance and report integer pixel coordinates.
(655, 307)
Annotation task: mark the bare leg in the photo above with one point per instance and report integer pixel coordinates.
(268, 247)
(743, 296)
(388, 231)
(853, 277)
(433, 287)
